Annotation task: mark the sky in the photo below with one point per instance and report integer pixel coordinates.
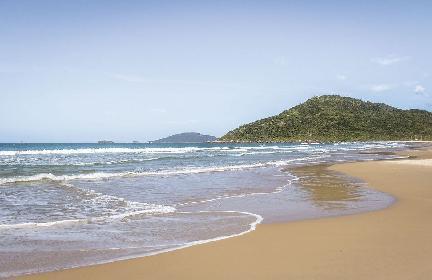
(82, 71)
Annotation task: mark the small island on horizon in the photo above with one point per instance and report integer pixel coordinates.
(186, 137)
(105, 142)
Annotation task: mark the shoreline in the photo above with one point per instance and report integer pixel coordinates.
(322, 167)
(253, 226)
(139, 267)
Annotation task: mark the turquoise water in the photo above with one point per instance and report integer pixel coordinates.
(79, 204)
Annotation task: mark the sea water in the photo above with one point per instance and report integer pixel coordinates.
(68, 205)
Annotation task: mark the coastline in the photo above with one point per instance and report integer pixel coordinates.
(393, 242)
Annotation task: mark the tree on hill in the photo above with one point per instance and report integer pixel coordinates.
(336, 118)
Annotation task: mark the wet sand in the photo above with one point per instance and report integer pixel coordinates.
(394, 243)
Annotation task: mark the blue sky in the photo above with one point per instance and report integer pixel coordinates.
(73, 71)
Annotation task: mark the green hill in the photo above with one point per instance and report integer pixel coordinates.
(331, 118)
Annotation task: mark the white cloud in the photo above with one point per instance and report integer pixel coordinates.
(128, 78)
(182, 122)
(141, 79)
(280, 60)
(419, 89)
(389, 60)
(10, 71)
(381, 87)
(410, 83)
(159, 110)
(341, 77)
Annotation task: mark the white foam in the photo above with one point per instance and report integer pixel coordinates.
(103, 175)
(222, 197)
(169, 172)
(174, 150)
(252, 227)
(52, 177)
(153, 209)
(99, 199)
(149, 150)
(42, 224)
(420, 162)
(134, 160)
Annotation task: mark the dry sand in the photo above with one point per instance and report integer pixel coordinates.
(394, 243)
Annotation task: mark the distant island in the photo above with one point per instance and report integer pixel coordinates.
(187, 137)
(105, 142)
(331, 118)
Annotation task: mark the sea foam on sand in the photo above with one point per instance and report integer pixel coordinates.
(423, 162)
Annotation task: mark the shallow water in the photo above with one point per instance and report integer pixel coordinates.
(65, 205)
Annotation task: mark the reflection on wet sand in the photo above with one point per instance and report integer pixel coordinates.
(328, 189)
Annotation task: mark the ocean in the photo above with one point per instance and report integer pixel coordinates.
(68, 205)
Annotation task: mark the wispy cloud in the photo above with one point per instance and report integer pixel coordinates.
(341, 77)
(381, 87)
(128, 78)
(419, 89)
(159, 110)
(280, 60)
(389, 60)
(4, 70)
(140, 79)
(182, 122)
(410, 84)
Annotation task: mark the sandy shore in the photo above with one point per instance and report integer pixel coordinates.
(394, 243)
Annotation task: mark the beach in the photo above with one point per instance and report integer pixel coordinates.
(216, 140)
(76, 205)
(393, 243)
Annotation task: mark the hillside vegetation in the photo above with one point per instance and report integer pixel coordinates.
(330, 118)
